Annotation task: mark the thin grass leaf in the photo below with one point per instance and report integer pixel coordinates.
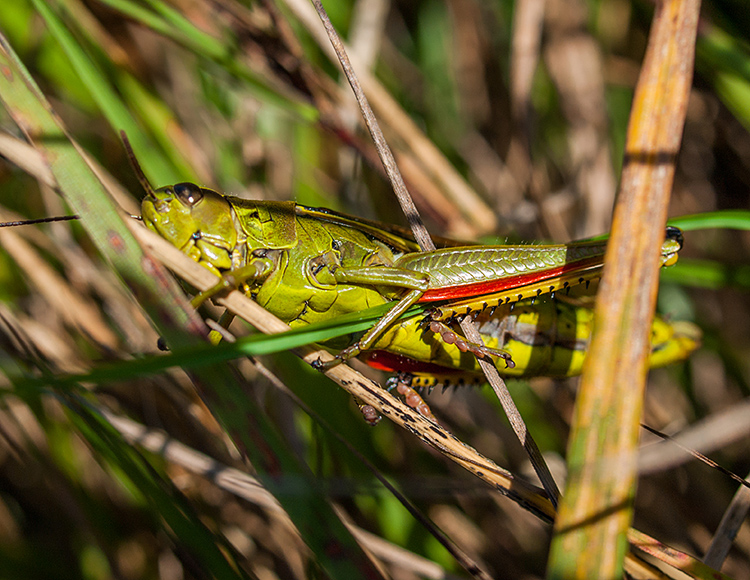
(736, 219)
(206, 354)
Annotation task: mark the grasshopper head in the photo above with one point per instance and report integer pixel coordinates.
(672, 244)
(196, 220)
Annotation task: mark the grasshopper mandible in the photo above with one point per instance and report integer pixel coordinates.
(307, 265)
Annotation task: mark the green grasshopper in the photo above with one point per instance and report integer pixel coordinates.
(307, 265)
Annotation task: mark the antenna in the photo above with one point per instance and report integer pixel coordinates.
(136, 166)
(61, 218)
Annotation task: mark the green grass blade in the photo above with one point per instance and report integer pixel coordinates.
(735, 219)
(204, 354)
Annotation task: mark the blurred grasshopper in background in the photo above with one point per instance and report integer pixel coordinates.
(307, 265)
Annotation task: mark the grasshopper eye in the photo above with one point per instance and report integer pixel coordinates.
(188, 193)
(675, 234)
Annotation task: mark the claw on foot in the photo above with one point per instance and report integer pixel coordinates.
(369, 413)
(343, 356)
(323, 366)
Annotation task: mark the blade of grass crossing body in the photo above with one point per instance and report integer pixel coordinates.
(205, 354)
(590, 535)
(333, 546)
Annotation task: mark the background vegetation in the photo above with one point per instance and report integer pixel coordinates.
(508, 120)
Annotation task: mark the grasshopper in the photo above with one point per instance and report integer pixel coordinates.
(307, 265)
